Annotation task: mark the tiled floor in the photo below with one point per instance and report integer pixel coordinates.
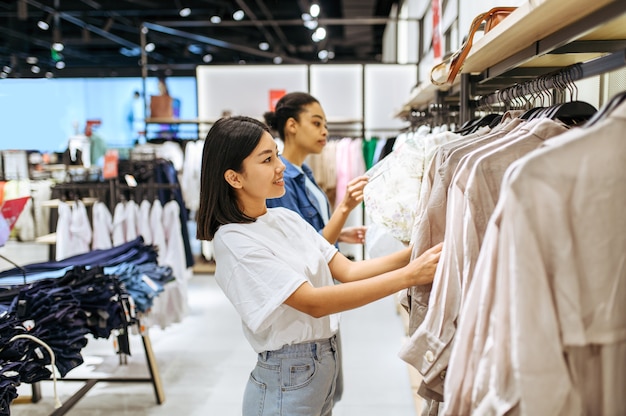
(204, 362)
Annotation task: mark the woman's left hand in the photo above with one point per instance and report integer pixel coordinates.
(353, 235)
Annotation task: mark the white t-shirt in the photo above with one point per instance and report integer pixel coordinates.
(260, 264)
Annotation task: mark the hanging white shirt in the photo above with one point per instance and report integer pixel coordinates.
(132, 216)
(80, 229)
(118, 235)
(102, 226)
(143, 222)
(63, 234)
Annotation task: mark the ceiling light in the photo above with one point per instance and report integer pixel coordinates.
(311, 24)
(49, 74)
(150, 47)
(32, 60)
(238, 15)
(3, 75)
(323, 54)
(264, 46)
(306, 17)
(184, 12)
(278, 60)
(35, 69)
(60, 65)
(207, 58)
(43, 25)
(216, 20)
(58, 46)
(315, 10)
(319, 34)
(331, 55)
(7, 69)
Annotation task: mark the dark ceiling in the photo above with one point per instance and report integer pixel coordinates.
(102, 38)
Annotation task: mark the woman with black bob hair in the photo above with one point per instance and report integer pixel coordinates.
(278, 272)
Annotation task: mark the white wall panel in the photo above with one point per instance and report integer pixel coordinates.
(244, 90)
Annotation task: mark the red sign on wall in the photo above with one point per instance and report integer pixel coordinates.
(436, 6)
(275, 95)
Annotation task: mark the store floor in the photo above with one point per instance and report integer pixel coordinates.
(204, 362)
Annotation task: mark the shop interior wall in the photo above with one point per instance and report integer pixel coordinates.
(368, 93)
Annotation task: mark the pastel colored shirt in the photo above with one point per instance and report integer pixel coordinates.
(543, 326)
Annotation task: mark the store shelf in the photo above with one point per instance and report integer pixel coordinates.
(549, 34)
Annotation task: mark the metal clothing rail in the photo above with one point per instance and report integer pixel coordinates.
(557, 79)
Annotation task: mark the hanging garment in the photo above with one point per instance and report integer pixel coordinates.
(471, 197)
(190, 178)
(542, 327)
(80, 228)
(63, 233)
(131, 220)
(118, 236)
(171, 305)
(430, 224)
(156, 226)
(143, 221)
(391, 195)
(102, 226)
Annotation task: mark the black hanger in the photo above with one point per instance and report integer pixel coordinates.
(572, 113)
(606, 109)
(478, 123)
(528, 114)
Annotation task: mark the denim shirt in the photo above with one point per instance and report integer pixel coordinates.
(297, 198)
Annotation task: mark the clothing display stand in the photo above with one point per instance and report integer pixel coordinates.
(110, 192)
(154, 378)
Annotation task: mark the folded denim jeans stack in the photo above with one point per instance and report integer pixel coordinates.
(134, 262)
(59, 312)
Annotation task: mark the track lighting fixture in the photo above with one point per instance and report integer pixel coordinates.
(315, 10)
(44, 24)
(238, 15)
(183, 11)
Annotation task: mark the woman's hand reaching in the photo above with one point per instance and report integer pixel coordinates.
(422, 269)
(354, 192)
(353, 235)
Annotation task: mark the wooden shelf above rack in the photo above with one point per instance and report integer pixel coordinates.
(539, 27)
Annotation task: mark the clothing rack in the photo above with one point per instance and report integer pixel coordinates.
(557, 79)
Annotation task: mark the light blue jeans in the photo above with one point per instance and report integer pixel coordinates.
(296, 380)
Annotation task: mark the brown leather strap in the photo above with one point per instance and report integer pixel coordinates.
(455, 62)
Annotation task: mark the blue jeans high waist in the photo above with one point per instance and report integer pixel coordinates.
(296, 380)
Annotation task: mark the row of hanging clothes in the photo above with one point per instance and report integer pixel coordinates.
(146, 202)
(49, 310)
(523, 315)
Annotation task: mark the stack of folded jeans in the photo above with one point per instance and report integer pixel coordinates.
(59, 312)
(134, 263)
